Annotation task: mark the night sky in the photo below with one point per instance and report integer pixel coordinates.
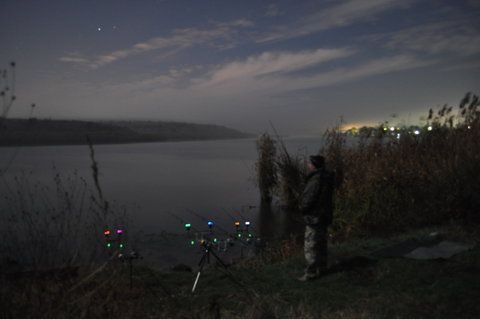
(299, 64)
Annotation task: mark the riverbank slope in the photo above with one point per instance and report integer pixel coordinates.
(359, 286)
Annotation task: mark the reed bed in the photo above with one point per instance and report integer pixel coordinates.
(389, 181)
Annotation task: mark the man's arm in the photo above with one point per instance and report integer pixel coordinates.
(310, 195)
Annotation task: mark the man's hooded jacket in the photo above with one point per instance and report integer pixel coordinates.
(316, 203)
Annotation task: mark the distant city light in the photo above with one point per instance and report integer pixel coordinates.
(247, 223)
(469, 127)
(429, 128)
(398, 135)
(385, 129)
(416, 132)
(392, 129)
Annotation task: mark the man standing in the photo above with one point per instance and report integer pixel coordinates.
(316, 206)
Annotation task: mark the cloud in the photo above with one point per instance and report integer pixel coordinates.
(172, 79)
(470, 65)
(371, 68)
(237, 23)
(457, 37)
(179, 39)
(194, 80)
(269, 63)
(273, 11)
(339, 15)
(73, 59)
(265, 75)
(247, 77)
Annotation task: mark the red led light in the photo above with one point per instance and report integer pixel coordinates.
(106, 233)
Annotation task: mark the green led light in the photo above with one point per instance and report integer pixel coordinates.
(109, 245)
(250, 235)
(188, 225)
(121, 245)
(215, 240)
(239, 235)
(192, 242)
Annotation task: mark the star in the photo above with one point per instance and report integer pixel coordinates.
(99, 28)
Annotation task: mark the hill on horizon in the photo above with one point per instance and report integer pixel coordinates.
(16, 132)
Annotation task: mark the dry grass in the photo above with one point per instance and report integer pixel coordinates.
(387, 184)
(266, 170)
(391, 185)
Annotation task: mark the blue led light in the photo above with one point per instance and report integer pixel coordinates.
(210, 223)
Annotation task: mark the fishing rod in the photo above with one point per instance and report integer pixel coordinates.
(224, 210)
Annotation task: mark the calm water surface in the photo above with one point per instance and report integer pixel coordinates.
(156, 179)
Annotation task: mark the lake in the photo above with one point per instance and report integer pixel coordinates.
(212, 178)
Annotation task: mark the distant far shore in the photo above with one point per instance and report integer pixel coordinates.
(36, 132)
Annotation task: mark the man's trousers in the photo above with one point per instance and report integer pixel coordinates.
(315, 247)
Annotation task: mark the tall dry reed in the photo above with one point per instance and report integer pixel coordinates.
(394, 182)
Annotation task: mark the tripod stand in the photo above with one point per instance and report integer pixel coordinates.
(130, 258)
(206, 259)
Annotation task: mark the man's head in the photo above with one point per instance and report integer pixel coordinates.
(316, 162)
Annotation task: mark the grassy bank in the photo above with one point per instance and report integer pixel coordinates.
(358, 287)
